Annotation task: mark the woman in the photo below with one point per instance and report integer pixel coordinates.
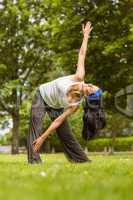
(60, 98)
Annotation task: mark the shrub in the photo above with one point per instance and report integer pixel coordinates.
(121, 144)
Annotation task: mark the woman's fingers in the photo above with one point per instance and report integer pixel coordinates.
(88, 23)
(34, 142)
(87, 28)
(91, 29)
(35, 146)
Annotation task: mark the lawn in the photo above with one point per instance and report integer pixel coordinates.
(105, 178)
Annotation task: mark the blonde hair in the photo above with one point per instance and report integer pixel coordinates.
(75, 94)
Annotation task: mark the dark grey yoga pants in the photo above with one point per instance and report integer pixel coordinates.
(72, 148)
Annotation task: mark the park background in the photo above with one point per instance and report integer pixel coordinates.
(39, 41)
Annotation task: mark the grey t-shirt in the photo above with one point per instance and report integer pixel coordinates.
(54, 92)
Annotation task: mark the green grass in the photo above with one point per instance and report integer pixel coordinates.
(106, 178)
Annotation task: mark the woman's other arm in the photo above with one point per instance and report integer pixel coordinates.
(54, 125)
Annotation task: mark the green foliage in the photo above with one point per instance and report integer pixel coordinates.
(51, 33)
(39, 41)
(121, 144)
(116, 123)
(100, 144)
(6, 139)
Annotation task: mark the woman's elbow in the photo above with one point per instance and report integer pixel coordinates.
(80, 77)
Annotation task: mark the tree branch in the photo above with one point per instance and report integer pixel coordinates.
(30, 69)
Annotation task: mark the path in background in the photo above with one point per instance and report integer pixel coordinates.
(5, 149)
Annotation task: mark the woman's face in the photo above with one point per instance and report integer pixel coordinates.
(89, 88)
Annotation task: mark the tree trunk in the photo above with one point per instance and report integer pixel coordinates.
(15, 133)
(113, 143)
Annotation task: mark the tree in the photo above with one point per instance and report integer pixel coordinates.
(23, 49)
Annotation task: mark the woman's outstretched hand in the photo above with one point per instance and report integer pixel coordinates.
(37, 144)
(87, 28)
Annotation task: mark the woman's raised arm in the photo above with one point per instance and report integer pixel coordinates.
(80, 72)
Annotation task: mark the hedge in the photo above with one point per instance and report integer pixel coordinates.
(99, 144)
